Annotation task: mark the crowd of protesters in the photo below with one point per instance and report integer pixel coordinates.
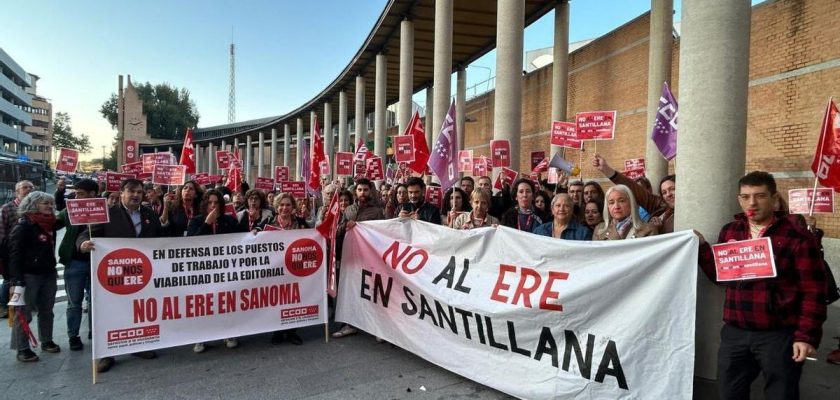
(568, 210)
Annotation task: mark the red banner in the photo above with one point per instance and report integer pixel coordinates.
(130, 151)
(296, 188)
(500, 153)
(404, 148)
(597, 125)
(565, 134)
(281, 173)
(87, 211)
(266, 184)
(746, 259)
(826, 165)
(799, 201)
(223, 158)
(634, 168)
(113, 180)
(68, 159)
(132, 168)
(373, 169)
(344, 163)
(434, 195)
(152, 159)
(173, 175)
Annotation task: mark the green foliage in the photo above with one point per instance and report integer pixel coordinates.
(63, 136)
(169, 110)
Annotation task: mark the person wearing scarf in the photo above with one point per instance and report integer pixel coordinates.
(622, 217)
(257, 214)
(523, 216)
(479, 216)
(564, 225)
(32, 266)
(177, 214)
(153, 198)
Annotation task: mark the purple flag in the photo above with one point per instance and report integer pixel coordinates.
(665, 125)
(444, 158)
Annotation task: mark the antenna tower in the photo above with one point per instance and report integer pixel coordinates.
(232, 95)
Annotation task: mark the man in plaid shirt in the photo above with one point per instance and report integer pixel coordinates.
(771, 324)
(8, 219)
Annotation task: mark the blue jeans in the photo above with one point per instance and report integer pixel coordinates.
(40, 298)
(77, 282)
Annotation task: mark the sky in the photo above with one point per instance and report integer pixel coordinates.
(287, 51)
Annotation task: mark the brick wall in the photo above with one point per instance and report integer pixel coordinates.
(794, 69)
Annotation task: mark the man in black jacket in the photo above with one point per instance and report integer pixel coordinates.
(127, 219)
(422, 211)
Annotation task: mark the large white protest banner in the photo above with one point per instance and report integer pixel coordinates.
(156, 293)
(532, 316)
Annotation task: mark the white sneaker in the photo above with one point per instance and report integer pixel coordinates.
(198, 348)
(231, 343)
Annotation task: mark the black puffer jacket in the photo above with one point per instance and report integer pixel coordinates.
(31, 251)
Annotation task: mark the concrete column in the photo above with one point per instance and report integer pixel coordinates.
(260, 153)
(249, 157)
(222, 148)
(343, 132)
(361, 127)
(210, 164)
(236, 148)
(406, 73)
(430, 108)
(299, 151)
(714, 66)
(198, 159)
(329, 143)
(461, 106)
(312, 117)
(507, 118)
(659, 70)
(380, 106)
(443, 65)
(273, 156)
(287, 144)
(560, 69)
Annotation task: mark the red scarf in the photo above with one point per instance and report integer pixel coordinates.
(46, 222)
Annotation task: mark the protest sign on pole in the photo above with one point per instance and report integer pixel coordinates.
(557, 319)
(479, 166)
(263, 183)
(68, 159)
(373, 169)
(173, 175)
(132, 168)
(201, 178)
(500, 153)
(565, 134)
(507, 176)
(465, 161)
(634, 168)
(434, 196)
(799, 201)
(745, 259)
(87, 211)
(223, 158)
(404, 148)
(344, 163)
(597, 125)
(536, 158)
(155, 293)
(114, 180)
(296, 188)
(152, 159)
(281, 173)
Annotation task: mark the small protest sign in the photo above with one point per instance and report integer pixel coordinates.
(87, 211)
(169, 174)
(597, 125)
(744, 260)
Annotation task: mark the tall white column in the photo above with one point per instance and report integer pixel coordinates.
(260, 153)
(443, 65)
(287, 144)
(273, 155)
(406, 73)
(461, 107)
(507, 118)
(343, 132)
(329, 143)
(236, 152)
(198, 159)
(222, 148)
(560, 69)
(380, 106)
(361, 126)
(249, 153)
(299, 151)
(430, 114)
(210, 159)
(659, 71)
(312, 116)
(714, 73)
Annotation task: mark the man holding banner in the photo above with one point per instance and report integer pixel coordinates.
(127, 219)
(773, 321)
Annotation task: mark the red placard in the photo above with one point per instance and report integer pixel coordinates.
(68, 159)
(799, 201)
(113, 180)
(223, 158)
(201, 178)
(565, 134)
(144, 176)
(266, 184)
(434, 195)
(230, 210)
(215, 178)
(173, 175)
(373, 168)
(132, 168)
(281, 173)
(152, 159)
(359, 168)
(344, 163)
(296, 188)
(130, 151)
(404, 148)
(465, 161)
(479, 166)
(536, 158)
(634, 168)
(87, 211)
(500, 153)
(553, 176)
(744, 260)
(325, 167)
(507, 175)
(597, 125)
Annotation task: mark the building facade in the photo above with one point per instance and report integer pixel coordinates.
(41, 128)
(15, 101)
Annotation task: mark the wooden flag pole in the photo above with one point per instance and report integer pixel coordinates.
(813, 198)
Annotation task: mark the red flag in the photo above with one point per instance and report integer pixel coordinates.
(188, 152)
(421, 148)
(825, 164)
(318, 158)
(542, 166)
(327, 225)
(234, 177)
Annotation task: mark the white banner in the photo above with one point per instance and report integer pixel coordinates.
(155, 293)
(532, 316)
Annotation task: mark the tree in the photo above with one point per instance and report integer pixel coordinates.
(63, 136)
(169, 110)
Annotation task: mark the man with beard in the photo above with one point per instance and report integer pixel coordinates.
(420, 209)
